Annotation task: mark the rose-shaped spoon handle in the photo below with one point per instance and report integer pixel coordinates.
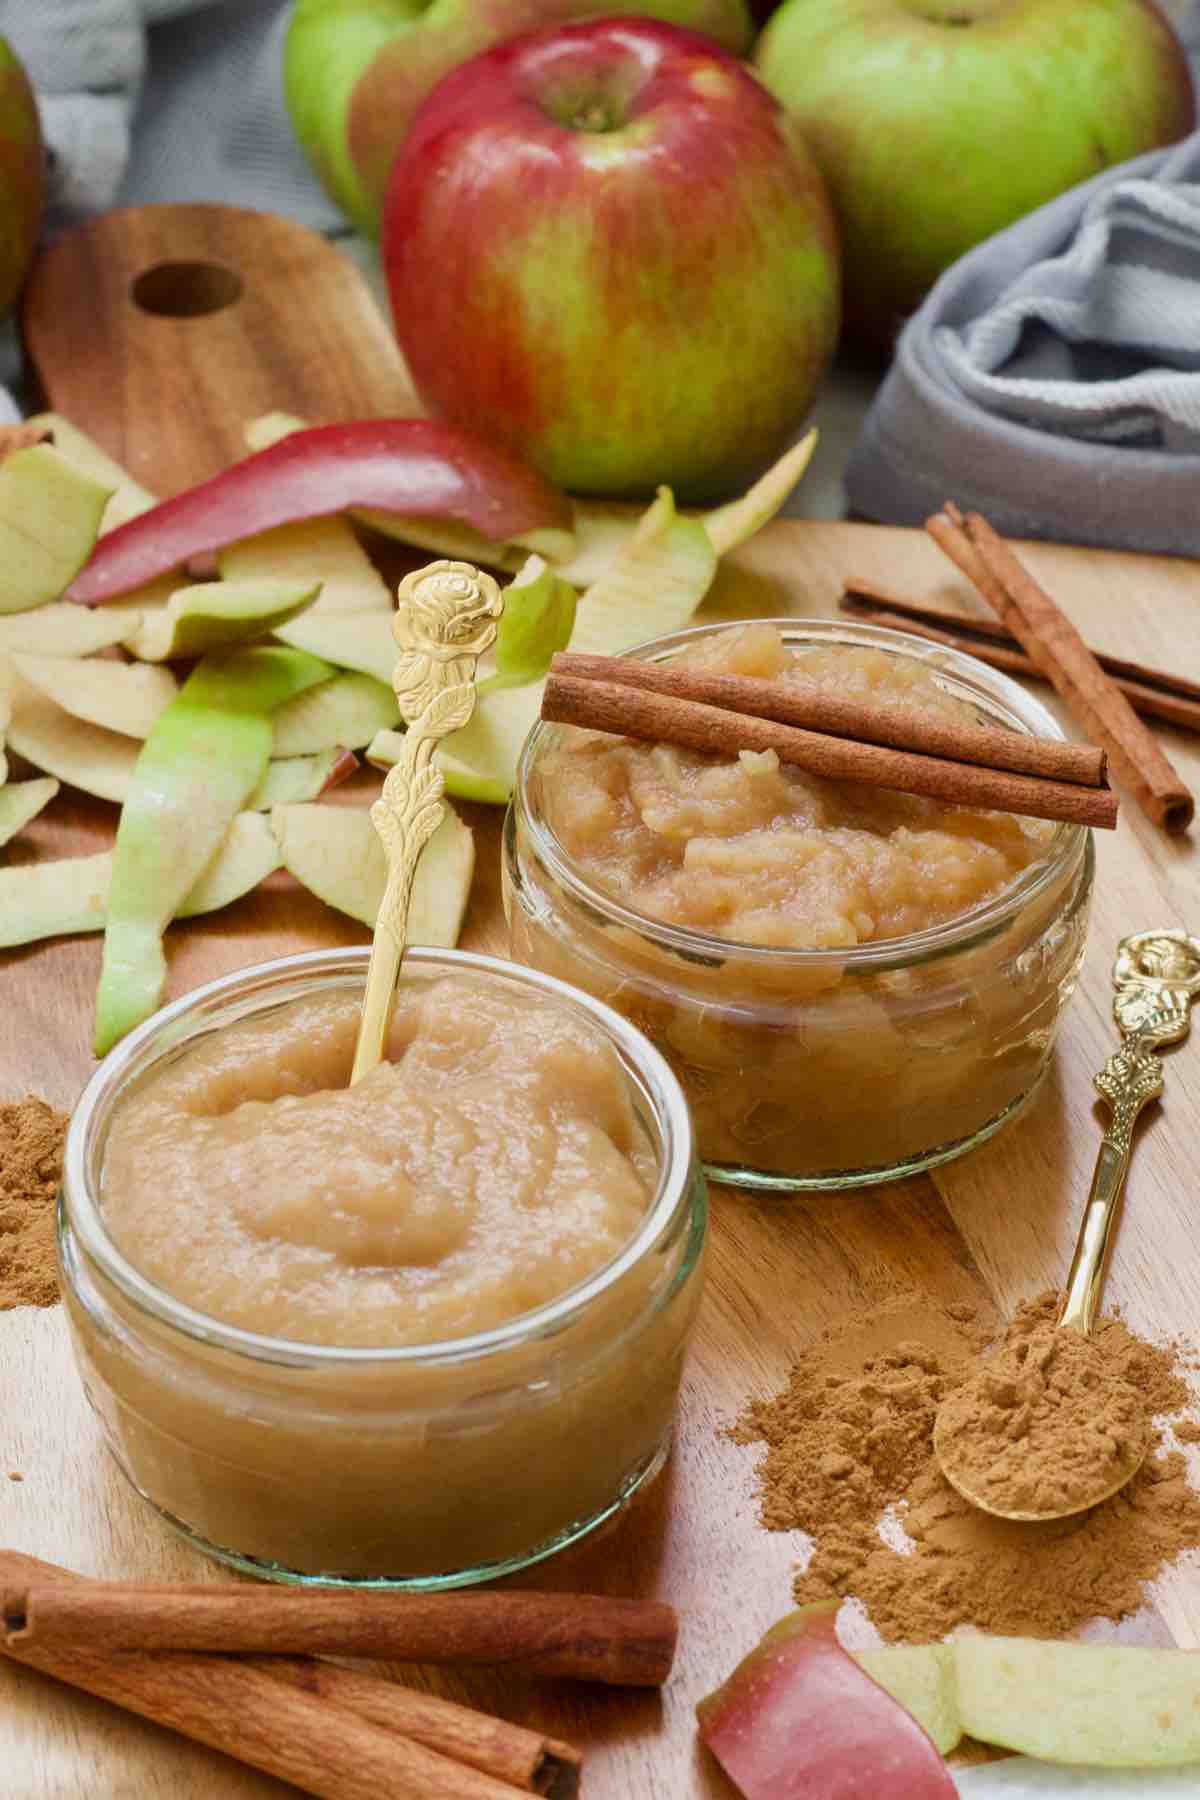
(446, 618)
(1156, 977)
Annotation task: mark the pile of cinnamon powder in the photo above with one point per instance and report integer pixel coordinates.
(31, 1149)
(850, 1448)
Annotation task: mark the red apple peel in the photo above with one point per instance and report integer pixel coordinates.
(798, 1719)
(406, 467)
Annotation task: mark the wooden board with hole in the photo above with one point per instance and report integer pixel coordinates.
(987, 1230)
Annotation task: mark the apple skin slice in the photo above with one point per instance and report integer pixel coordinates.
(216, 615)
(335, 852)
(85, 756)
(122, 697)
(344, 713)
(315, 550)
(58, 899)
(201, 762)
(60, 629)
(49, 521)
(127, 498)
(289, 780)
(1109, 1705)
(408, 466)
(732, 524)
(799, 1718)
(22, 801)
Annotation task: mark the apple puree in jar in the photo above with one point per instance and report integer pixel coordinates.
(824, 1044)
(493, 1162)
(470, 1278)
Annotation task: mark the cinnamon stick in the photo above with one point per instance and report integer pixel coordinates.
(1052, 642)
(1151, 692)
(249, 1714)
(797, 702)
(587, 1637)
(633, 712)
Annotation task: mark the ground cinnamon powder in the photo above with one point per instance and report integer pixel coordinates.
(31, 1147)
(850, 1451)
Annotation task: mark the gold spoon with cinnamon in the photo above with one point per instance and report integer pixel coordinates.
(1060, 1393)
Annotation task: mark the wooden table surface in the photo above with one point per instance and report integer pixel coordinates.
(989, 1229)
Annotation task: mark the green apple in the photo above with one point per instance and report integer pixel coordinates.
(939, 122)
(355, 71)
(22, 182)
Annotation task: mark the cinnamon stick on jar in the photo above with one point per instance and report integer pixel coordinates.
(657, 718)
(584, 1637)
(804, 703)
(1054, 645)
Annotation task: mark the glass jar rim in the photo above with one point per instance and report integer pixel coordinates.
(968, 929)
(80, 1212)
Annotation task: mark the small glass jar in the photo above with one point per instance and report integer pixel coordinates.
(425, 1466)
(824, 1068)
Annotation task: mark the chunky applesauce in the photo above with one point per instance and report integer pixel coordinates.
(471, 1277)
(822, 1043)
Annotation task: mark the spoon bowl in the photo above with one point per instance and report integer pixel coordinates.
(944, 1450)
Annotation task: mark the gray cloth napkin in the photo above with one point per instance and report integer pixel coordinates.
(1052, 378)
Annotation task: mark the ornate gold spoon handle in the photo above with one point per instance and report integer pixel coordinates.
(446, 618)
(1156, 977)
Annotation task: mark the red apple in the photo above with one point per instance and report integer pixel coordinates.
(21, 175)
(607, 250)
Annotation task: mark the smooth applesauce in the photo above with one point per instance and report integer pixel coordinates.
(470, 1279)
(493, 1162)
(775, 934)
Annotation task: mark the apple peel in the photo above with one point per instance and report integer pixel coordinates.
(441, 536)
(361, 642)
(49, 522)
(335, 852)
(798, 1718)
(84, 756)
(537, 621)
(315, 550)
(60, 629)
(22, 801)
(127, 499)
(216, 615)
(345, 713)
(289, 780)
(61, 898)
(653, 585)
(125, 698)
(731, 525)
(395, 466)
(204, 757)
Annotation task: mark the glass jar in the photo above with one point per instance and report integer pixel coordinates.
(824, 1068)
(425, 1466)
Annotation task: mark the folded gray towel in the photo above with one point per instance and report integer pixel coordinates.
(1052, 378)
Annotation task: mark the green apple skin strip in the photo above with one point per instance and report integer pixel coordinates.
(537, 622)
(205, 756)
(59, 899)
(730, 525)
(123, 697)
(63, 629)
(324, 550)
(360, 642)
(49, 521)
(84, 756)
(22, 801)
(335, 852)
(653, 586)
(127, 497)
(289, 780)
(344, 713)
(216, 615)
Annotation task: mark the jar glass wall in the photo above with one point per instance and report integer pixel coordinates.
(823, 1068)
(429, 1465)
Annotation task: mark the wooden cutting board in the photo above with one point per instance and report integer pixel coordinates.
(167, 394)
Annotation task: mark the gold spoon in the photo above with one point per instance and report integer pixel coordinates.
(446, 618)
(1156, 977)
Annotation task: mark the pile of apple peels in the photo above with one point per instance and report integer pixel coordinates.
(212, 663)
(801, 1716)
